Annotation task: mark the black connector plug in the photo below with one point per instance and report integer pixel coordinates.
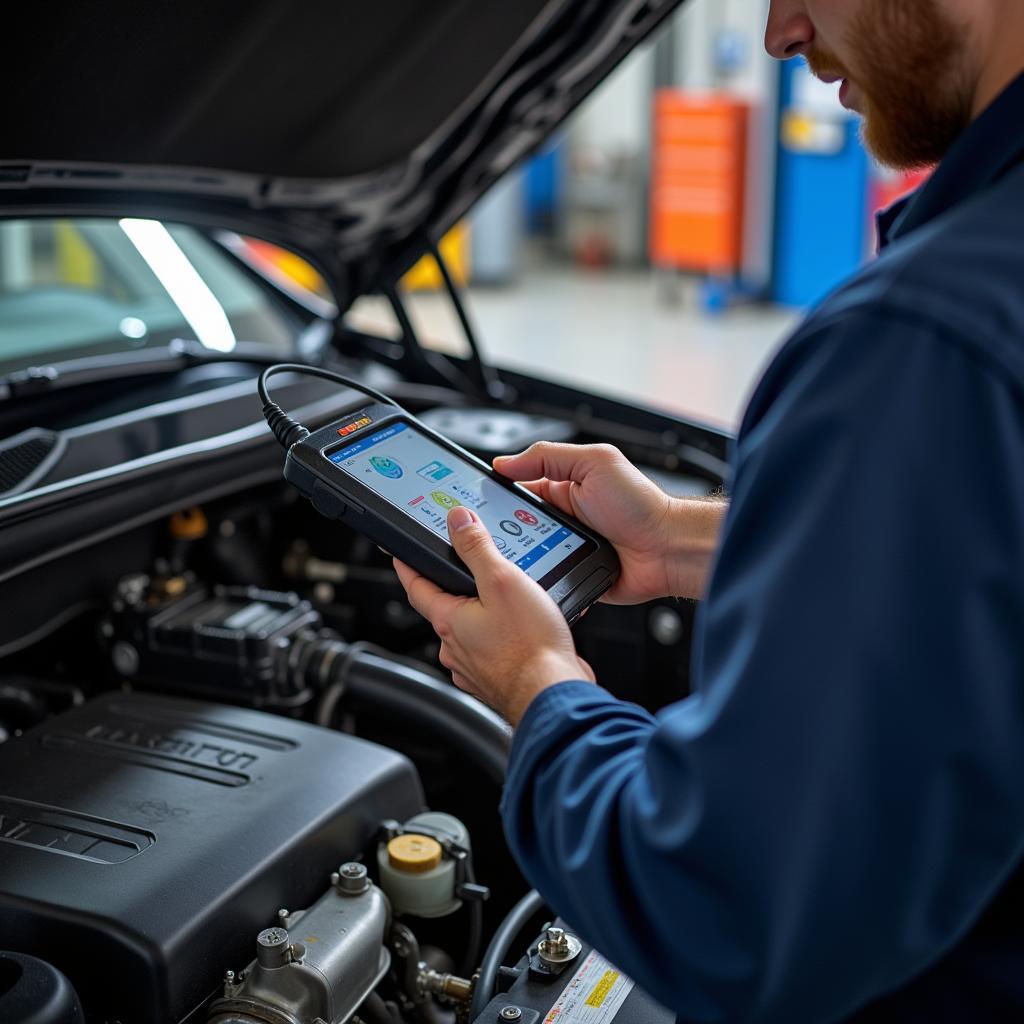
(289, 431)
(284, 428)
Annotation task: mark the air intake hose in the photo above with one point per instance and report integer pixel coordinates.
(370, 677)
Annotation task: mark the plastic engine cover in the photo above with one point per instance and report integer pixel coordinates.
(144, 842)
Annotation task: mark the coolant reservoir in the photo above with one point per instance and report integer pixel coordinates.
(416, 871)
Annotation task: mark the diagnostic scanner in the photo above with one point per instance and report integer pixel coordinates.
(386, 474)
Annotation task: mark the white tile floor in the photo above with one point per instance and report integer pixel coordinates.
(613, 332)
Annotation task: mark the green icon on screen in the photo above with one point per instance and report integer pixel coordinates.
(445, 500)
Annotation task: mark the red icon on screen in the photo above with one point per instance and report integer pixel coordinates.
(416, 501)
(526, 517)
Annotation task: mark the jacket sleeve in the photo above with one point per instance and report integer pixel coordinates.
(841, 797)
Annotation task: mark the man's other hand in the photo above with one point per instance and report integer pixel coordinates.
(507, 644)
(665, 544)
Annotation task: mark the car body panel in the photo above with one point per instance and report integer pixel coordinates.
(343, 132)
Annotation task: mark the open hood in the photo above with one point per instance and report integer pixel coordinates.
(343, 130)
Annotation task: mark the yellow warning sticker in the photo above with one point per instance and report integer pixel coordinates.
(602, 988)
(593, 995)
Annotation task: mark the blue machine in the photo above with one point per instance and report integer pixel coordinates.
(822, 220)
(545, 175)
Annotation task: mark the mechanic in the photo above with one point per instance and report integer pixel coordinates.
(832, 826)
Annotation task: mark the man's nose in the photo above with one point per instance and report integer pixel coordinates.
(790, 31)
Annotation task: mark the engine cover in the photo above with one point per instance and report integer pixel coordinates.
(144, 841)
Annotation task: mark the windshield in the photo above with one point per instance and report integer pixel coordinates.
(78, 287)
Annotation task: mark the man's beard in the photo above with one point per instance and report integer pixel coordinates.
(907, 59)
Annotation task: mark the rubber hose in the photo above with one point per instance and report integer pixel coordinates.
(403, 691)
(518, 918)
(474, 937)
(374, 1011)
(475, 932)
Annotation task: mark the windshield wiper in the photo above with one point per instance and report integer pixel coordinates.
(180, 354)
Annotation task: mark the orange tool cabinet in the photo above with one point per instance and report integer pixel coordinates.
(698, 185)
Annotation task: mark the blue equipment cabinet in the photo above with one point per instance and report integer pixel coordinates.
(822, 221)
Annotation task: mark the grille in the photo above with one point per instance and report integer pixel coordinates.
(25, 457)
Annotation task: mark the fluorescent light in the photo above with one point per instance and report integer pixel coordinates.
(132, 327)
(188, 291)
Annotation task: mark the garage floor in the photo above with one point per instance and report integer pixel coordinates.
(615, 333)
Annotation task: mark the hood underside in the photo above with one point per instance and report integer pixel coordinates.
(344, 130)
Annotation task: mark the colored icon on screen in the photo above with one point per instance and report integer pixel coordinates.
(386, 467)
(526, 517)
(445, 500)
(434, 471)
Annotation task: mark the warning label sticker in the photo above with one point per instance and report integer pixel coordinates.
(593, 996)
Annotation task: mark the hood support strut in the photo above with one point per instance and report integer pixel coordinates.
(479, 379)
(486, 378)
(419, 362)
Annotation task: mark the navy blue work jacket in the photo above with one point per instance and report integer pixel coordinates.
(832, 826)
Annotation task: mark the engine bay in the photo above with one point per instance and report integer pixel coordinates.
(235, 784)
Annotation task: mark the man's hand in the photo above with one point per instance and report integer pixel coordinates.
(665, 544)
(506, 645)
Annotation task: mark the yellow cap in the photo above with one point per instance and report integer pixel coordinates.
(189, 524)
(414, 854)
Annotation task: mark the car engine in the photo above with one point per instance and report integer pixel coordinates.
(173, 832)
(236, 787)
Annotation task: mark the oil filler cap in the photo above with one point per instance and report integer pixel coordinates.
(418, 869)
(414, 854)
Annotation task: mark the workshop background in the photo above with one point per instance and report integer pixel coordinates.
(662, 246)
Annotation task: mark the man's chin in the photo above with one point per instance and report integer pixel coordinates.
(877, 141)
(887, 143)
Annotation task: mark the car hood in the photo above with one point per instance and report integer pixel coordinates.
(346, 131)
